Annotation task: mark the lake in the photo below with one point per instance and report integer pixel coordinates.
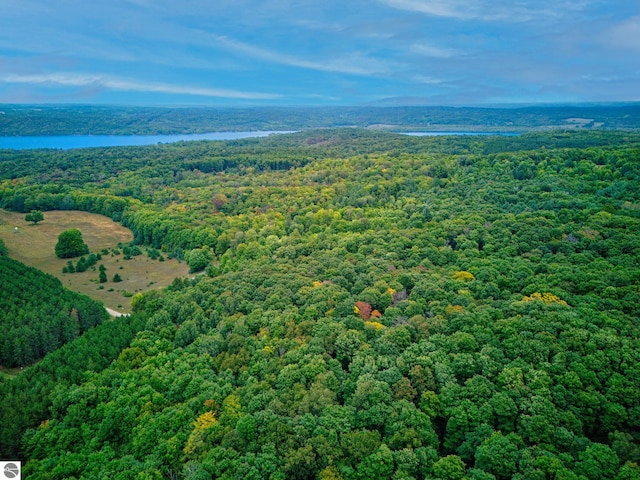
(66, 142)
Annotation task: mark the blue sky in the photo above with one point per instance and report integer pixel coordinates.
(310, 52)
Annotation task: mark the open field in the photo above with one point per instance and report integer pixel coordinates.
(34, 246)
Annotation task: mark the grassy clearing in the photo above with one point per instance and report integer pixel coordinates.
(9, 373)
(34, 246)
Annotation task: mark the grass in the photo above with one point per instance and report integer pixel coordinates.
(34, 246)
(9, 373)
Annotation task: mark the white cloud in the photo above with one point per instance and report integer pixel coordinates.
(436, 8)
(433, 51)
(354, 64)
(113, 83)
(492, 11)
(626, 34)
(427, 80)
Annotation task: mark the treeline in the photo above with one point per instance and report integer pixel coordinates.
(38, 315)
(97, 120)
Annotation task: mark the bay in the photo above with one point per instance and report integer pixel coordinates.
(66, 142)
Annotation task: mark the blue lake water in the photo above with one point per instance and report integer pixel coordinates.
(66, 142)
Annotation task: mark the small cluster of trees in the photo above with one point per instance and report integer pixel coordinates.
(83, 264)
(102, 278)
(130, 251)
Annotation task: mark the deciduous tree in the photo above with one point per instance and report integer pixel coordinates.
(70, 244)
(34, 216)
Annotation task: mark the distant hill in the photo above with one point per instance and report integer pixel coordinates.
(18, 120)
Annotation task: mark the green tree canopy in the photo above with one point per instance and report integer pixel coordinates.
(70, 244)
(198, 259)
(34, 216)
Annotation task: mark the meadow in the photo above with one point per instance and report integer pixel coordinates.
(33, 245)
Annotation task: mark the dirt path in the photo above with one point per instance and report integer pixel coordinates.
(113, 313)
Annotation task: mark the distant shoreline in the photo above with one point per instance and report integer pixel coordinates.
(43, 120)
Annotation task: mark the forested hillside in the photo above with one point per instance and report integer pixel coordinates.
(38, 315)
(376, 306)
(26, 400)
(113, 120)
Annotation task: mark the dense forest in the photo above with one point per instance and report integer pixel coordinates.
(38, 315)
(374, 306)
(110, 120)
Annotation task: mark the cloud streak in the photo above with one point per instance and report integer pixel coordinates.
(434, 51)
(354, 64)
(489, 11)
(113, 83)
(456, 9)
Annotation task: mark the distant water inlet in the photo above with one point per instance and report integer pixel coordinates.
(66, 142)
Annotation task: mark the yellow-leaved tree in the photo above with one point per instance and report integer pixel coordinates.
(200, 426)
